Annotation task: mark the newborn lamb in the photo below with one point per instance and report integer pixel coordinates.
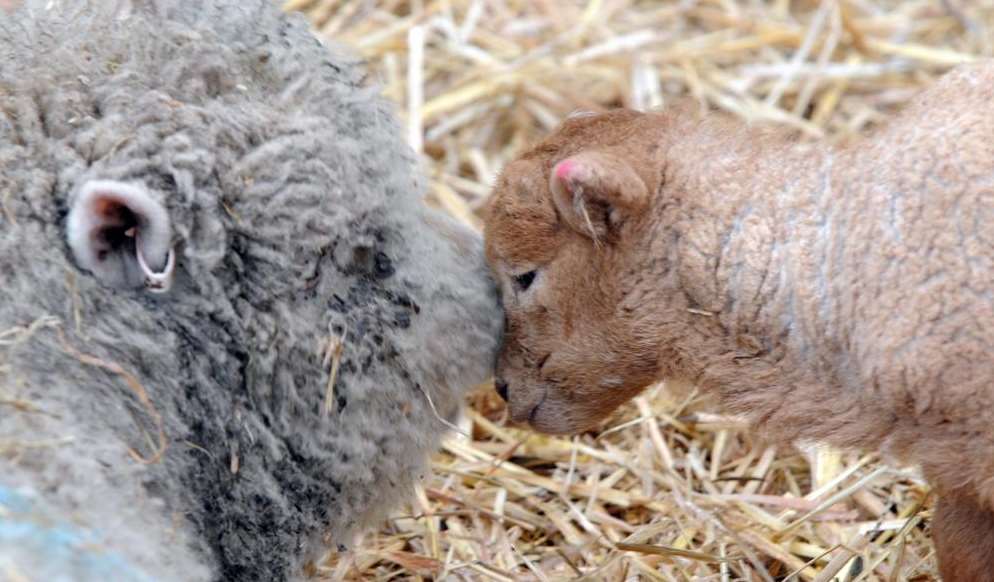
(835, 293)
(230, 332)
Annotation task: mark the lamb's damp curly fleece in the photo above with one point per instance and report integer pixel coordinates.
(297, 217)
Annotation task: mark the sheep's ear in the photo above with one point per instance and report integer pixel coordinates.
(595, 192)
(121, 235)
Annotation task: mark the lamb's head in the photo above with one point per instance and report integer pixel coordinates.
(565, 232)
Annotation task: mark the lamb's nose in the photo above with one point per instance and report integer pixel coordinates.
(501, 387)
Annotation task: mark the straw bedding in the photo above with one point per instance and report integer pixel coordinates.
(668, 488)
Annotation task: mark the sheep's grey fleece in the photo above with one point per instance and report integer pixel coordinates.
(297, 218)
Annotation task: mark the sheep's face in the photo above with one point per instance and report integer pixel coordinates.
(411, 277)
(459, 329)
(563, 226)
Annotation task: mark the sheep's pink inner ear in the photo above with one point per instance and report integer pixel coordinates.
(120, 234)
(596, 191)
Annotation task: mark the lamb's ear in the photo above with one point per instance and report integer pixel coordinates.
(595, 192)
(122, 235)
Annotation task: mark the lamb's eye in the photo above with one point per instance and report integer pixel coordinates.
(524, 281)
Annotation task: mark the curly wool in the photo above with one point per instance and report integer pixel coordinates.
(188, 431)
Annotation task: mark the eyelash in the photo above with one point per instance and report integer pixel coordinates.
(525, 280)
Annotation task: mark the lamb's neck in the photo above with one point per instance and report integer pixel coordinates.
(754, 243)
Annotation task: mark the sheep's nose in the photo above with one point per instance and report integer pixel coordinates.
(501, 387)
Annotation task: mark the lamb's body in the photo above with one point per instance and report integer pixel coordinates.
(841, 294)
(855, 286)
(296, 218)
(852, 287)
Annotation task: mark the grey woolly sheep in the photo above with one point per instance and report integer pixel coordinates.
(230, 331)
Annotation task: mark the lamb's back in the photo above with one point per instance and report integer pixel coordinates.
(916, 287)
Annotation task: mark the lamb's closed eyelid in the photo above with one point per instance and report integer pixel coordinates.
(525, 280)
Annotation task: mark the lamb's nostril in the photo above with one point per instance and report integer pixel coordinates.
(501, 387)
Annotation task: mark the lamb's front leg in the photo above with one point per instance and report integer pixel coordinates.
(963, 534)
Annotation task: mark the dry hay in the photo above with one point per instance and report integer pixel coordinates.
(667, 489)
